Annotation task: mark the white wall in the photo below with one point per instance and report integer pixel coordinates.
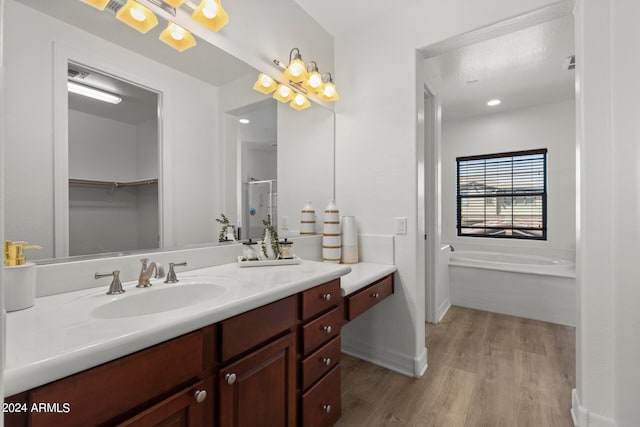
(550, 126)
(189, 135)
(2, 312)
(376, 133)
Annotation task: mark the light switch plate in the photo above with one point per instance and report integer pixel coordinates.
(401, 225)
(284, 222)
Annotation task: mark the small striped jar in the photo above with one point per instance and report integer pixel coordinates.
(307, 220)
(331, 238)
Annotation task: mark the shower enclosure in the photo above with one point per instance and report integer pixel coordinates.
(260, 203)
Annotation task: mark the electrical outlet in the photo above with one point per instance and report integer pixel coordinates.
(401, 225)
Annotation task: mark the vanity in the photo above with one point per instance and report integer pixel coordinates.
(265, 346)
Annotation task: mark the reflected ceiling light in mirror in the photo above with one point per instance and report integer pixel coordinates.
(94, 93)
(244, 121)
(177, 37)
(211, 15)
(284, 93)
(313, 82)
(494, 102)
(137, 16)
(265, 84)
(98, 4)
(296, 71)
(328, 90)
(300, 102)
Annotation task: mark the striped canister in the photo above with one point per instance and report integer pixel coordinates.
(331, 239)
(307, 219)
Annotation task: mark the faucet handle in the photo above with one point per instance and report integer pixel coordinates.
(116, 285)
(171, 275)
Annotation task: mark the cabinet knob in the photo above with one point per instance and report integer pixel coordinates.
(326, 297)
(326, 361)
(230, 378)
(327, 329)
(376, 295)
(200, 395)
(326, 408)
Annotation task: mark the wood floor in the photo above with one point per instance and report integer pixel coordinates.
(485, 369)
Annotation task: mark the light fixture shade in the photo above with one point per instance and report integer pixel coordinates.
(284, 93)
(296, 71)
(300, 102)
(98, 4)
(314, 82)
(137, 16)
(174, 3)
(265, 84)
(92, 92)
(177, 37)
(329, 92)
(211, 14)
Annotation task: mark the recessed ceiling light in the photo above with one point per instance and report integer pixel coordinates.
(494, 102)
(244, 121)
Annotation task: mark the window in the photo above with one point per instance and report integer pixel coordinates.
(503, 195)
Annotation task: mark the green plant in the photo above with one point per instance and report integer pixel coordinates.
(225, 226)
(273, 233)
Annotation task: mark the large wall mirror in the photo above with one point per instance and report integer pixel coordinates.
(191, 158)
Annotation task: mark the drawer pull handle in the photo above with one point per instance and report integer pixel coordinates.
(200, 395)
(376, 295)
(326, 361)
(326, 297)
(326, 408)
(230, 378)
(327, 329)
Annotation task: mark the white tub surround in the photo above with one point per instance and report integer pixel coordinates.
(535, 287)
(59, 336)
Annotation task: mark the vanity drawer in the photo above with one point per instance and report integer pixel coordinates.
(322, 405)
(247, 330)
(320, 298)
(321, 330)
(320, 362)
(366, 298)
(102, 394)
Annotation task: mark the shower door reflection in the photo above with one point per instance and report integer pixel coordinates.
(260, 203)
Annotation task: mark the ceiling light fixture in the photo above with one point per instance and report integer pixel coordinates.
(137, 16)
(92, 92)
(244, 121)
(494, 102)
(211, 15)
(177, 37)
(98, 4)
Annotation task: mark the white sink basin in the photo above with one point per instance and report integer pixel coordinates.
(160, 298)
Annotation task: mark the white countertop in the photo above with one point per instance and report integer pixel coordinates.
(362, 274)
(58, 336)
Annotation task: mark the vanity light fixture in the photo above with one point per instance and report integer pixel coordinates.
(174, 3)
(98, 4)
(328, 90)
(284, 93)
(137, 16)
(494, 102)
(300, 102)
(177, 37)
(296, 71)
(211, 15)
(265, 84)
(94, 93)
(313, 82)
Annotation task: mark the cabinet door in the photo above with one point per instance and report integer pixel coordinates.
(260, 389)
(187, 408)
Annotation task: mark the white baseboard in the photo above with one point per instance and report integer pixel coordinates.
(442, 310)
(389, 359)
(583, 418)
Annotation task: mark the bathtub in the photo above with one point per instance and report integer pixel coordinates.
(535, 287)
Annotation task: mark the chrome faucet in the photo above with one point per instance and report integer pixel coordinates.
(147, 271)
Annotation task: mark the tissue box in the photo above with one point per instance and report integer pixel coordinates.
(19, 287)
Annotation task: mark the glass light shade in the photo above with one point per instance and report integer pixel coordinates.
(300, 102)
(265, 84)
(328, 92)
(98, 4)
(174, 3)
(284, 93)
(137, 16)
(296, 71)
(177, 37)
(314, 82)
(211, 15)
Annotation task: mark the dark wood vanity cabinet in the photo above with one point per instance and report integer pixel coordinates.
(365, 298)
